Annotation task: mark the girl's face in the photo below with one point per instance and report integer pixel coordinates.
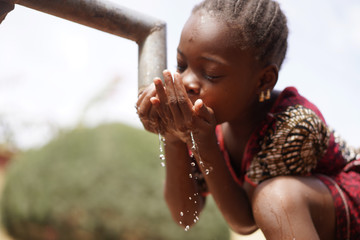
(214, 69)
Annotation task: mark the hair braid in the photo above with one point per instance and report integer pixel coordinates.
(257, 24)
(238, 6)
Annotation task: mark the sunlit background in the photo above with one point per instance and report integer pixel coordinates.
(58, 74)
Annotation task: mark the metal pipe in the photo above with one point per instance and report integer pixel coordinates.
(6, 6)
(148, 32)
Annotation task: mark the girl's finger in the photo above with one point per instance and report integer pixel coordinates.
(161, 117)
(203, 112)
(162, 98)
(160, 90)
(172, 100)
(156, 104)
(183, 100)
(142, 95)
(144, 104)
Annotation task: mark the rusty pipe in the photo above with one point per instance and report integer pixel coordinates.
(148, 32)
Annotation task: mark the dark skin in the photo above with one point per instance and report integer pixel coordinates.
(219, 83)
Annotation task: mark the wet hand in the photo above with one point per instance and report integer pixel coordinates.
(179, 116)
(147, 114)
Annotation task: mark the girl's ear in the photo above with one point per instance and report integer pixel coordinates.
(268, 77)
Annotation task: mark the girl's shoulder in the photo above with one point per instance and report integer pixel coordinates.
(290, 141)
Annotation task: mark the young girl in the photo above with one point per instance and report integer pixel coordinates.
(268, 158)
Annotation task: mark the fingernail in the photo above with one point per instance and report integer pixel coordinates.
(157, 80)
(199, 101)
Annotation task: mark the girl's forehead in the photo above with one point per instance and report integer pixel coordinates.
(208, 32)
(202, 24)
(205, 35)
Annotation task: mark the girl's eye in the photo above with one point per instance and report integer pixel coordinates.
(211, 77)
(180, 68)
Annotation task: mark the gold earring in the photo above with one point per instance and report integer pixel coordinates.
(262, 96)
(268, 94)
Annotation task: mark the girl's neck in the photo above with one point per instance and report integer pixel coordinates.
(244, 127)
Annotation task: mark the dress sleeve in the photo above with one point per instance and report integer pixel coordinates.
(293, 146)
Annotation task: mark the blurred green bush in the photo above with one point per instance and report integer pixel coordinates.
(98, 183)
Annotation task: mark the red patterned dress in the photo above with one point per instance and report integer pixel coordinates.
(295, 140)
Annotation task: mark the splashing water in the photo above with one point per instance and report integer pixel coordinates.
(161, 149)
(195, 148)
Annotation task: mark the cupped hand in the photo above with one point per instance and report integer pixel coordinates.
(147, 114)
(178, 115)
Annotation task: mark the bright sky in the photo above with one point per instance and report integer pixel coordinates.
(50, 68)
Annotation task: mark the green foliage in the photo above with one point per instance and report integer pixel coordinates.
(103, 183)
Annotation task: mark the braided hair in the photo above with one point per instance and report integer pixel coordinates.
(259, 25)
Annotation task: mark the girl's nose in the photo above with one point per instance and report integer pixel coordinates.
(191, 83)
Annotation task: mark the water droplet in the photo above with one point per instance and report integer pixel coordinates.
(181, 214)
(190, 175)
(180, 222)
(189, 198)
(195, 201)
(192, 164)
(193, 147)
(161, 149)
(195, 220)
(207, 171)
(187, 228)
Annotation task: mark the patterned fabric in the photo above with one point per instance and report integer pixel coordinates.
(294, 139)
(299, 140)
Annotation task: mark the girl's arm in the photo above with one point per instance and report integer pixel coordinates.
(231, 199)
(182, 192)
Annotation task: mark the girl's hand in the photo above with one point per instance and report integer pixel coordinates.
(178, 114)
(147, 114)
